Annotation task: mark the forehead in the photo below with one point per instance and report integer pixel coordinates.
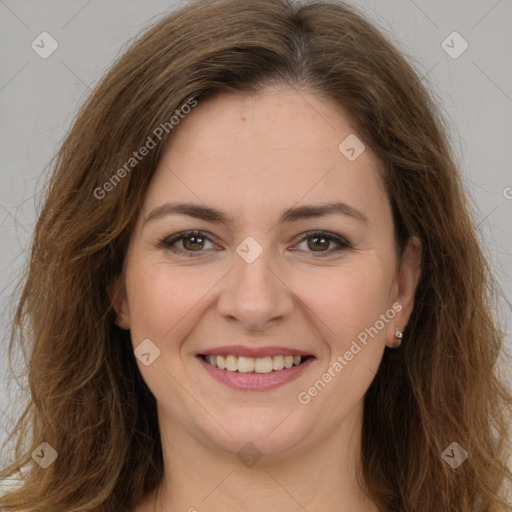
(277, 146)
(274, 119)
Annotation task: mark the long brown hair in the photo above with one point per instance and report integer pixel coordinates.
(87, 397)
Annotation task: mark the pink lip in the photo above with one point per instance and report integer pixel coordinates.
(255, 381)
(239, 350)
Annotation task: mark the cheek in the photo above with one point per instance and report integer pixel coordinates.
(159, 299)
(351, 308)
(167, 302)
(347, 300)
(350, 304)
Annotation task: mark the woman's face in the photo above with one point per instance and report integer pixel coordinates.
(262, 285)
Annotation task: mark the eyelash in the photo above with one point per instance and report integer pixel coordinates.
(167, 243)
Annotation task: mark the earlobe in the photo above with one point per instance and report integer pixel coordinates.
(117, 294)
(406, 285)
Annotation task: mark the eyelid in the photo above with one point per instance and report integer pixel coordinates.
(342, 243)
(169, 241)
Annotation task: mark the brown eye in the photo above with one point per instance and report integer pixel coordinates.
(318, 242)
(191, 242)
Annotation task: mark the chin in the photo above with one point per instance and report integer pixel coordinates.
(270, 431)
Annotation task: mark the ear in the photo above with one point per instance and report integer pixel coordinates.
(404, 288)
(118, 297)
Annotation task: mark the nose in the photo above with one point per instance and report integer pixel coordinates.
(254, 294)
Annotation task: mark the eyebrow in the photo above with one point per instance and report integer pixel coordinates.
(293, 214)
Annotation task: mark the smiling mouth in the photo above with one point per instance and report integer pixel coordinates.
(269, 364)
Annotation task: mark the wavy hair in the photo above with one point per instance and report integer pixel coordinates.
(86, 397)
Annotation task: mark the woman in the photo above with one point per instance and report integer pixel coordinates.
(255, 280)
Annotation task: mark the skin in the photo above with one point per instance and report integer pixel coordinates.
(253, 157)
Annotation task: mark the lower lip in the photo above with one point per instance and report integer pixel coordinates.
(256, 381)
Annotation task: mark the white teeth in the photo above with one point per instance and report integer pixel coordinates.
(277, 362)
(263, 365)
(244, 364)
(231, 363)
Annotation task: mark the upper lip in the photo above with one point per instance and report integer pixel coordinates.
(240, 350)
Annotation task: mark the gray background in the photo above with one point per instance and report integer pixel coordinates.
(39, 97)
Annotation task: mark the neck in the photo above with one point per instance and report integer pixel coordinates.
(199, 477)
